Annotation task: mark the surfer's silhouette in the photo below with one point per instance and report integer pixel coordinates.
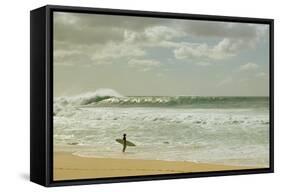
(124, 142)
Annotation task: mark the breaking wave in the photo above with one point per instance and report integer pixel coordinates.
(191, 101)
(84, 99)
(111, 98)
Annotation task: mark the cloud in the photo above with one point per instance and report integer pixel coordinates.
(223, 29)
(262, 75)
(233, 38)
(156, 36)
(77, 32)
(143, 64)
(71, 58)
(248, 66)
(191, 51)
(224, 49)
(228, 47)
(86, 29)
(202, 52)
(117, 50)
(97, 54)
(102, 39)
(160, 33)
(81, 28)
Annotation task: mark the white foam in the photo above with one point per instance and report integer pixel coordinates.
(203, 135)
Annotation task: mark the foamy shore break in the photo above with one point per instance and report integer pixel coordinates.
(68, 166)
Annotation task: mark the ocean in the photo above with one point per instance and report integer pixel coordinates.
(219, 130)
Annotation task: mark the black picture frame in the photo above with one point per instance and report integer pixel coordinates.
(41, 94)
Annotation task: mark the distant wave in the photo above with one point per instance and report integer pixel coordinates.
(198, 101)
(109, 97)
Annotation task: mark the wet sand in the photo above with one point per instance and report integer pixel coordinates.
(68, 166)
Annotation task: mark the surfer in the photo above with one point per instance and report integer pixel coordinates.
(124, 142)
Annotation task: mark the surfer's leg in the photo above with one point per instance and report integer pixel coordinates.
(124, 147)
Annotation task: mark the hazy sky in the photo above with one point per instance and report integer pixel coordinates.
(152, 56)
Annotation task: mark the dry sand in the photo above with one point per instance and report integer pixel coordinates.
(68, 166)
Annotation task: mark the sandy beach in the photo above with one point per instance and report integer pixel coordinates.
(68, 166)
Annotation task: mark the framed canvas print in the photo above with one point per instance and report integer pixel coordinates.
(122, 95)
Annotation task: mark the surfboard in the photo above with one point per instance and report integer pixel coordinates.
(129, 143)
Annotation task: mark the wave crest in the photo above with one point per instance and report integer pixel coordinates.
(110, 98)
(99, 95)
(191, 101)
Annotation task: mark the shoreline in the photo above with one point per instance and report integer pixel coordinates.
(68, 166)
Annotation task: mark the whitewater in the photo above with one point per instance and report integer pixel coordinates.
(222, 130)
